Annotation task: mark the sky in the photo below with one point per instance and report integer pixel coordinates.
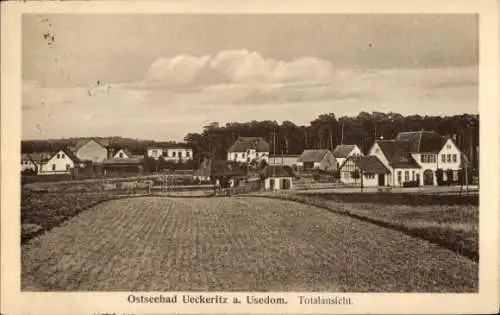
(162, 76)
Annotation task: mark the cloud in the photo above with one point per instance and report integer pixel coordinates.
(234, 66)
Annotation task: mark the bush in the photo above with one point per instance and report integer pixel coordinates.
(440, 177)
(316, 176)
(412, 183)
(449, 177)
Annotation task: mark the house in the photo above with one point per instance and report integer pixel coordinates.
(171, 152)
(368, 170)
(416, 155)
(222, 173)
(123, 153)
(246, 149)
(60, 162)
(343, 151)
(317, 159)
(288, 160)
(27, 163)
(277, 177)
(90, 150)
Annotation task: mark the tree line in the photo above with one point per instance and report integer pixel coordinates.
(324, 132)
(327, 131)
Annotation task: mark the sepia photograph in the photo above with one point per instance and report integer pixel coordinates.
(280, 161)
(250, 153)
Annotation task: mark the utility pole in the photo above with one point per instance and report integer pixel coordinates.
(331, 138)
(361, 176)
(342, 137)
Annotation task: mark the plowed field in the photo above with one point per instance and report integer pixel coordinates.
(234, 244)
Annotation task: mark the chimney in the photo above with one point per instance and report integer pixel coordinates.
(454, 137)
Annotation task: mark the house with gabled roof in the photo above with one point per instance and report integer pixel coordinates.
(27, 163)
(369, 169)
(90, 150)
(416, 155)
(343, 151)
(246, 149)
(277, 177)
(59, 162)
(316, 159)
(222, 173)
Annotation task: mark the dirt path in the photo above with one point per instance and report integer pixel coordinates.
(235, 244)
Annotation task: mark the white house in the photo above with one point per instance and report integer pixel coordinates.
(27, 163)
(343, 151)
(317, 159)
(450, 157)
(61, 162)
(122, 154)
(246, 149)
(369, 170)
(415, 156)
(171, 152)
(277, 177)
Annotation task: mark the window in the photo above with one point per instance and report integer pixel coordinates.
(62, 156)
(53, 167)
(180, 155)
(428, 158)
(243, 155)
(407, 176)
(443, 158)
(188, 154)
(412, 175)
(58, 156)
(448, 158)
(399, 176)
(454, 158)
(369, 176)
(154, 153)
(173, 153)
(120, 155)
(236, 155)
(448, 146)
(67, 167)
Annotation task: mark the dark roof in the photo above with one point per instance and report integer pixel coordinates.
(227, 168)
(404, 161)
(41, 157)
(243, 144)
(422, 141)
(398, 153)
(160, 145)
(312, 155)
(343, 150)
(277, 171)
(369, 164)
(122, 162)
(216, 167)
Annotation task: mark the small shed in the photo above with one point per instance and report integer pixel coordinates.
(122, 166)
(277, 177)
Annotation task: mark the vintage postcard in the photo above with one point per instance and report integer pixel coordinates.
(250, 157)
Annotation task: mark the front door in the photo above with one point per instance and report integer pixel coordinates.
(381, 179)
(428, 177)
